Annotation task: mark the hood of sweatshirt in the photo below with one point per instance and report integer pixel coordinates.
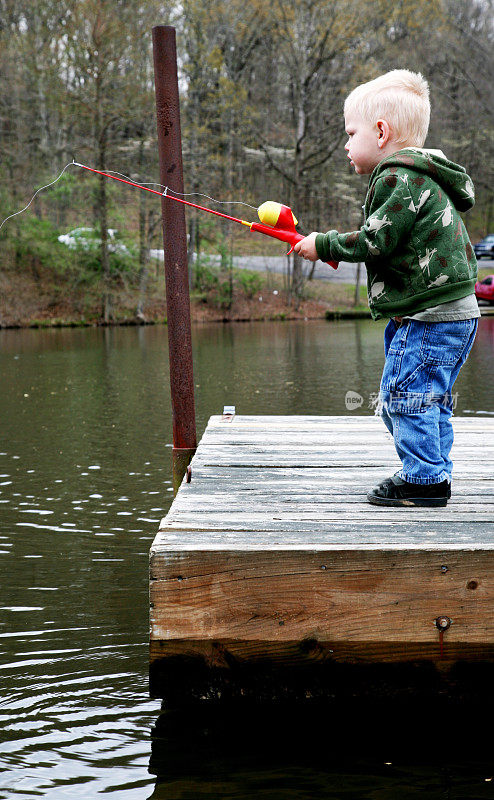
(451, 177)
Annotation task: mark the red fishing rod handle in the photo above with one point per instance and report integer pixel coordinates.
(290, 237)
(334, 264)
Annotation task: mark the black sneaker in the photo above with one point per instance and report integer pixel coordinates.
(448, 495)
(395, 491)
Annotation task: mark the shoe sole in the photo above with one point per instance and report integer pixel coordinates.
(435, 502)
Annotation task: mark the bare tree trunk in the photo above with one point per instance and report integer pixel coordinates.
(191, 249)
(143, 283)
(143, 259)
(148, 222)
(107, 300)
(302, 35)
(489, 215)
(297, 274)
(356, 298)
(102, 206)
(143, 243)
(297, 280)
(287, 276)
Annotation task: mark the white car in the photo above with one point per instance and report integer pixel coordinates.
(88, 239)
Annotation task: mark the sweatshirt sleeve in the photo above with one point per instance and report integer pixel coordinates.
(391, 214)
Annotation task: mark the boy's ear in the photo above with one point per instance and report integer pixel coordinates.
(383, 131)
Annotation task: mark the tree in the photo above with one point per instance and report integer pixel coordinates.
(108, 76)
(318, 45)
(220, 42)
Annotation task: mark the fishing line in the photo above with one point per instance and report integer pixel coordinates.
(276, 219)
(165, 191)
(34, 195)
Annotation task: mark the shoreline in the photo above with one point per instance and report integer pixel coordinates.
(36, 301)
(330, 316)
(45, 324)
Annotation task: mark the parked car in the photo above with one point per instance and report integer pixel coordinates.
(89, 239)
(484, 290)
(485, 247)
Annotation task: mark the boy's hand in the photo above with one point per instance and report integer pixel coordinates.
(307, 247)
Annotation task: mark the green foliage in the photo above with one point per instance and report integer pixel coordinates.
(212, 283)
(218, 285)
(224, 251)
(206, 275)
(65, 190)
(224, 294)
(240, 140)
(36, 244)
(250, 282)
(87, 250)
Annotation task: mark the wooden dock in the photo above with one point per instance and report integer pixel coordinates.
(271, 564)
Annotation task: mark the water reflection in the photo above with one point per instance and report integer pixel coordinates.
(85, 443)
(357, 751)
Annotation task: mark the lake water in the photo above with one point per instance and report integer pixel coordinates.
(85, 457)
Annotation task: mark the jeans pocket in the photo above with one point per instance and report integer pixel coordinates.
(412, 390)
(444, 342)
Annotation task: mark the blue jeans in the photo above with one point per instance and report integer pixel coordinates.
(423, 360)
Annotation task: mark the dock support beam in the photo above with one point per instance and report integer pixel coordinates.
(175, 251)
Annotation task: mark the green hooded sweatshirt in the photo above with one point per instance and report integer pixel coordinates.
(413, 241)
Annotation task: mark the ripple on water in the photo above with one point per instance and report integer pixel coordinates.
(75, 665)
(70, 725)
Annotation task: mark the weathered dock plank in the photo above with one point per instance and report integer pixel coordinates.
(271, 555)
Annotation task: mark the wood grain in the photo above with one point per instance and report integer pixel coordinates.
(329, 596)
(273, 552)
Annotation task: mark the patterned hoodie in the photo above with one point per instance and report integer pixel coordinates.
(413, 241)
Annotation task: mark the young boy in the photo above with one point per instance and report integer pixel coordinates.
(421, 272)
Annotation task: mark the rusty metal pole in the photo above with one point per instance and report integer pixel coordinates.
(175, 246)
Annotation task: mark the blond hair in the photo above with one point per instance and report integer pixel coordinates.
(401, 98)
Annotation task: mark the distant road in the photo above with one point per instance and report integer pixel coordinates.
(344, 274)
(323, 272)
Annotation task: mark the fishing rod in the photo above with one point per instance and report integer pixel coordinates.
(276, 219)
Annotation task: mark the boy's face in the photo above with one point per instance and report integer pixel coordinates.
(362, 146)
